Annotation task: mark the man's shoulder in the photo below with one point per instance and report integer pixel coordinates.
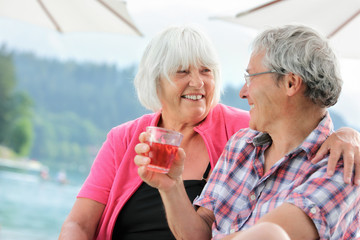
(243, 138)
(246, 134)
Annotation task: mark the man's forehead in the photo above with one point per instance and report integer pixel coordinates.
(256, 60)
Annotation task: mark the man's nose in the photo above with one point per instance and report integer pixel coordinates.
(243, 92)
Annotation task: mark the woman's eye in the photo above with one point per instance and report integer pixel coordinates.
(206, 70)
(182, 71)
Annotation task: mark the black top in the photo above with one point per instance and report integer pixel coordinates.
(143, 216)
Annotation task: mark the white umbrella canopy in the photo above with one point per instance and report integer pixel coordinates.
(72, 15)
(338, 20)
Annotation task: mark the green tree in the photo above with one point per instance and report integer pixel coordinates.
(20, 137)
(16, 129)
(7, 84)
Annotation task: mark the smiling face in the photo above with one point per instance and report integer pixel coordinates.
(264, 96)
(189, 97)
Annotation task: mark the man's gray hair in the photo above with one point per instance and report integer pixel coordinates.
(174, 48)
(301, 50)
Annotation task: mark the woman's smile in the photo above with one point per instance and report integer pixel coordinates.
(193, 97)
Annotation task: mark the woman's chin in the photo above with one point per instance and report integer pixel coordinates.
(196, 117)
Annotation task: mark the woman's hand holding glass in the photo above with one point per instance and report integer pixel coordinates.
(157, 180)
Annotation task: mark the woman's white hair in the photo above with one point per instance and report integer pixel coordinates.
(301, 50)
(176, 47)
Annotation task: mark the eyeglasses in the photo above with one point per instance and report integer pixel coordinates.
(248, 76)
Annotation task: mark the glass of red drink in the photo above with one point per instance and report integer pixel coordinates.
(164, 144)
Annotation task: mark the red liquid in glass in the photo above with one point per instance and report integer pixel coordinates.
(161, 156)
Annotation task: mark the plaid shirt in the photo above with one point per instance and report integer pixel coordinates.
(240, 193)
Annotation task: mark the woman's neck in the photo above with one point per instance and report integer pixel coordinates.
(186, 128)
(197, 157)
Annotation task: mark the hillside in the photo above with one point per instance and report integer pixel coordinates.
(75, 105)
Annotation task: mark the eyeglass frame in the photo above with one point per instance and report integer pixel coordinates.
(247, 76)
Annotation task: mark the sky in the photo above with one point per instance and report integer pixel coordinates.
(231, 41)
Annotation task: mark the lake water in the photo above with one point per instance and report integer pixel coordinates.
(34, 209)
(31, 208)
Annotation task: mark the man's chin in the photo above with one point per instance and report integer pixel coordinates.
(253, 126)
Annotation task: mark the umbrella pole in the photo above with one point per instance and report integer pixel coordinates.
(52, 19)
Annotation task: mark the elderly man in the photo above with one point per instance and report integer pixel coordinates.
(265, 180)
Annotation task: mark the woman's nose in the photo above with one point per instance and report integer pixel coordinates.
(196, 80)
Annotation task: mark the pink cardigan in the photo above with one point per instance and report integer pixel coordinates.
(113, 177)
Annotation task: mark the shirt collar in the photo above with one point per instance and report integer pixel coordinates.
(317, 137)
(156, 119)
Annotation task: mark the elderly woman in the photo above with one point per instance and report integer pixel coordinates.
(179, 80)
(265, 174)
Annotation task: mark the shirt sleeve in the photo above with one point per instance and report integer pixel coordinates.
(98, 184)
(328, 201)
(209, 194)
(222, 182)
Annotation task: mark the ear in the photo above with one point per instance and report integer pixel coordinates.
(294, 84)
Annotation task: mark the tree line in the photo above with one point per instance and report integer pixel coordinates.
(15, 109)
(62, 109)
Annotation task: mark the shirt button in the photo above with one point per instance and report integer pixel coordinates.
(253, 197)
(232, 230)
(313, 210)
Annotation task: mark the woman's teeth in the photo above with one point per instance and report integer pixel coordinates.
(193, 97)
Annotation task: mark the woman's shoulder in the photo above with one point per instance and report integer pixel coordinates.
(133, 126)
(230, 111)
(231, 115)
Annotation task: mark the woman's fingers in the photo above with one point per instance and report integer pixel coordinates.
(143, 137)
(141, 160)
(177, 166)
(357, 168)
(343, 143)
(320, 154)
(142, 148)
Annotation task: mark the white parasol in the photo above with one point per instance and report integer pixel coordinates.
(72, 15)
(337, 20)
